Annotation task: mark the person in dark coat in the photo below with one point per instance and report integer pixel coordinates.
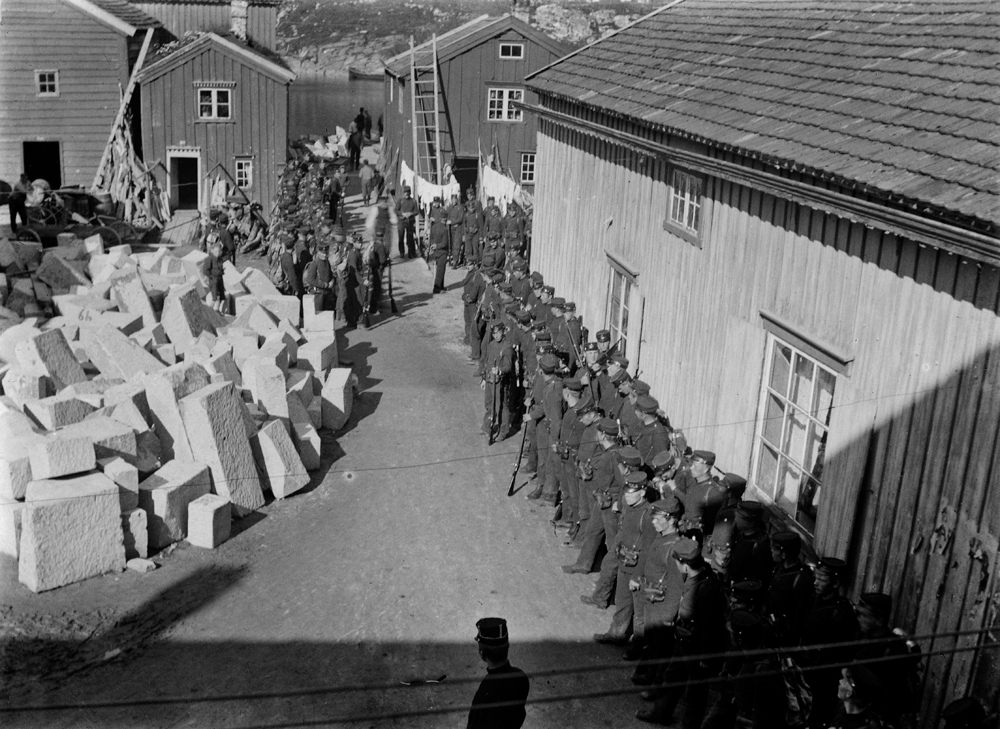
(214, 272)
(898, 697)
(499, 701)
(757, 687)
(290, 269)
(319, 278)
(789, 590)
(856, 690)
(407, 212)
(439, 243)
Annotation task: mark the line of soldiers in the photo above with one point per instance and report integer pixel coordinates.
(691, 567)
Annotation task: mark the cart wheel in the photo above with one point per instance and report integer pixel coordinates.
(42, 216)
(108, 235)
(124, 230)
(28, 234)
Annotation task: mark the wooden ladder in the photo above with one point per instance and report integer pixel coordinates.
(425, 110)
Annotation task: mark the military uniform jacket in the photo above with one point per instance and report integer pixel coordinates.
(408, 210)
(493, 226)
(630, 421)
(473, 219)
(572, 433)
(658, 569)
(503, 684)
(552, 406)
(439, 232)
(566, 336)
(522, 288)
(529, 357)
(751, 558)
(473, 289)
(543, 312)
(616, 405)
(491, 309)
(537, 412)
(318, 274)
(590, 449)
(456, 215)
(650, 439)
(702, 614)
(830, 619)
(500, 355)
(788, 596)
(702, 500)
(635, 534)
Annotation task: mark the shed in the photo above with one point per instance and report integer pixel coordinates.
(63, 64)
(788, 213)
(481, 69)
(215, 107)
(218, 16)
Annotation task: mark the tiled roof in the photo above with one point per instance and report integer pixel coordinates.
(903, 97)
(128, 13)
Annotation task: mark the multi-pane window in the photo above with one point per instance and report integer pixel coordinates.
(47, 83)
(618, 307)
(214, 104)
(500, 104)
(512, 51)
(685, 201)
(527, 168)
(244, 173)
(796, 402)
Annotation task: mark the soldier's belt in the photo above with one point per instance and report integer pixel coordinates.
(628, 557)
(654, 594)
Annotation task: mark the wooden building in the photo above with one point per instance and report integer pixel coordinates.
(214, 106)
(789, 214)
(217, 16)
(63, 64)
(481, 70)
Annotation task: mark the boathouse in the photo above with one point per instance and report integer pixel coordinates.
(215, 107)
(480, 68)
(788, 213)
(63, 65)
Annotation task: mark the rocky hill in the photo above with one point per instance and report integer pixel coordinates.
(326, 37)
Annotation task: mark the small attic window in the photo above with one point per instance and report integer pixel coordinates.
(511, 51)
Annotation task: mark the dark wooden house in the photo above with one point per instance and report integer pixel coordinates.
(63, 64)
(260, 17)
(789, 214)
(213, 106)
(481, 70)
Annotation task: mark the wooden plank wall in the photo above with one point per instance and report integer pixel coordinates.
(92, 61)
(260, 126)
(914, 444)
(179, 18)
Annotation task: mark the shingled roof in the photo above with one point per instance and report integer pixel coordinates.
(127, 13)
(902, 97)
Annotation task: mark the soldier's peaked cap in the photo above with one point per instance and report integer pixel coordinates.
(734, 483)
(832, 566)
(876, 602)
(569, 306)
(662, 461)
(523, 318)
(608, 426)
(548, 363)
(706, 456)
(686, 550)
(619, 377)
(743, 622)
(619, 360)
(864, 681)
(630, 456)
(787, 541)
(498, 325)
(963, 714)
(558, 302)
(603, 335)
(669, 504)
(573, 383)
(537, 278)
(544, 335)
(639, 387)
(548, 289)
(520, 266)
(506, 287)
(647, 404)
(492, 632)
(496, 276)
(747, 589)
(750, 510)
(587, 405)
(590, 347)
(635, 481)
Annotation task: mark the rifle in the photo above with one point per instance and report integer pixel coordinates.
(517, 464)
(392, 301)
(493, 414)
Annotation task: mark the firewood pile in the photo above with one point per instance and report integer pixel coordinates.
(130, 183)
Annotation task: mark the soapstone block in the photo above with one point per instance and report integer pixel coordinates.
(209, 521)
(165, 497)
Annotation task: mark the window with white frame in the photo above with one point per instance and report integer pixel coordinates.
(47, 82)
(244, 173)
(622, 284)
(527, 168)
(796, 402)
(512, 51)
(500, 104)
(685, 206)
(214, 103)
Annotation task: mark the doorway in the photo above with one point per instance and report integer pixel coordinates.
(184, 178)
(466, 171)
(43, 160)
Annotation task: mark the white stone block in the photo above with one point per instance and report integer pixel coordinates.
(164, 391)
(131, 295)
(285, 472)
(71, 530)
(338, 397)
(58, 411)
(258, 284)
(135, 533)
(111, 438)
(60, 454)
(49, 354)
(209, 521)
(11, 515)
(115, 355)
(213, 417)
(224, 365)
(304, 434)
(184, 316)
(318, 354)
(300, 382)
(165, 497)
(126, 476)
(266, 383)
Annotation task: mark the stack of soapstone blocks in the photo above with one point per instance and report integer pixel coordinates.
(133, 416)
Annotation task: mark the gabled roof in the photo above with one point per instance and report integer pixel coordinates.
(458, 40)
(116, 14)
(268, 3)
(168, 57)
(902, 97)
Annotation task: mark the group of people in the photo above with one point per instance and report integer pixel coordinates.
(716, 603)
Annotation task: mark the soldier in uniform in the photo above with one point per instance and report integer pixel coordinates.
(319, 278)
(543, 309)
(499, 701)
(512, 226)
(407, 212)
(456, 218)
(521, 282)
(701, 493)
(718, 547)
(588, 416)
(592, 373)
(751, 555)
(496, 373)
(598, 478)
(604, 346)
(700, 631)
(493, 235)
(472, 227)
(536, 282)
(650, 436)
(898, 697)
(856, 690)
(790, 588)
(472, 291)
(829, 619)
(634, 389)
(549, 402)
(567, 336)
(530, 357)
(635, 534)
(756, 686)
(572, 392)
(659, 582)
(967, 713)
(439, 241)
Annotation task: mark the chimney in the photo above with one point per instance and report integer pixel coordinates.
(238, 18)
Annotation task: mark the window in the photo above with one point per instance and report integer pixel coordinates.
(244, 173)
(796, 402)
(618, 307)
(527, 168)
(512, 51)
(500, 104)
(47, 83)
(214, 104)
(684, 215)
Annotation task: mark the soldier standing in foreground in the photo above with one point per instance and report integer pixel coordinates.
(499, 701)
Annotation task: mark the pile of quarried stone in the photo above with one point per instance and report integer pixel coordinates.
(134, 416)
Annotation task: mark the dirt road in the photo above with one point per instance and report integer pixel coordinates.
(321, 604)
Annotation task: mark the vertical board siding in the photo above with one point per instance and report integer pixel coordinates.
(180, 18)
(92, 61)
(915, 432)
